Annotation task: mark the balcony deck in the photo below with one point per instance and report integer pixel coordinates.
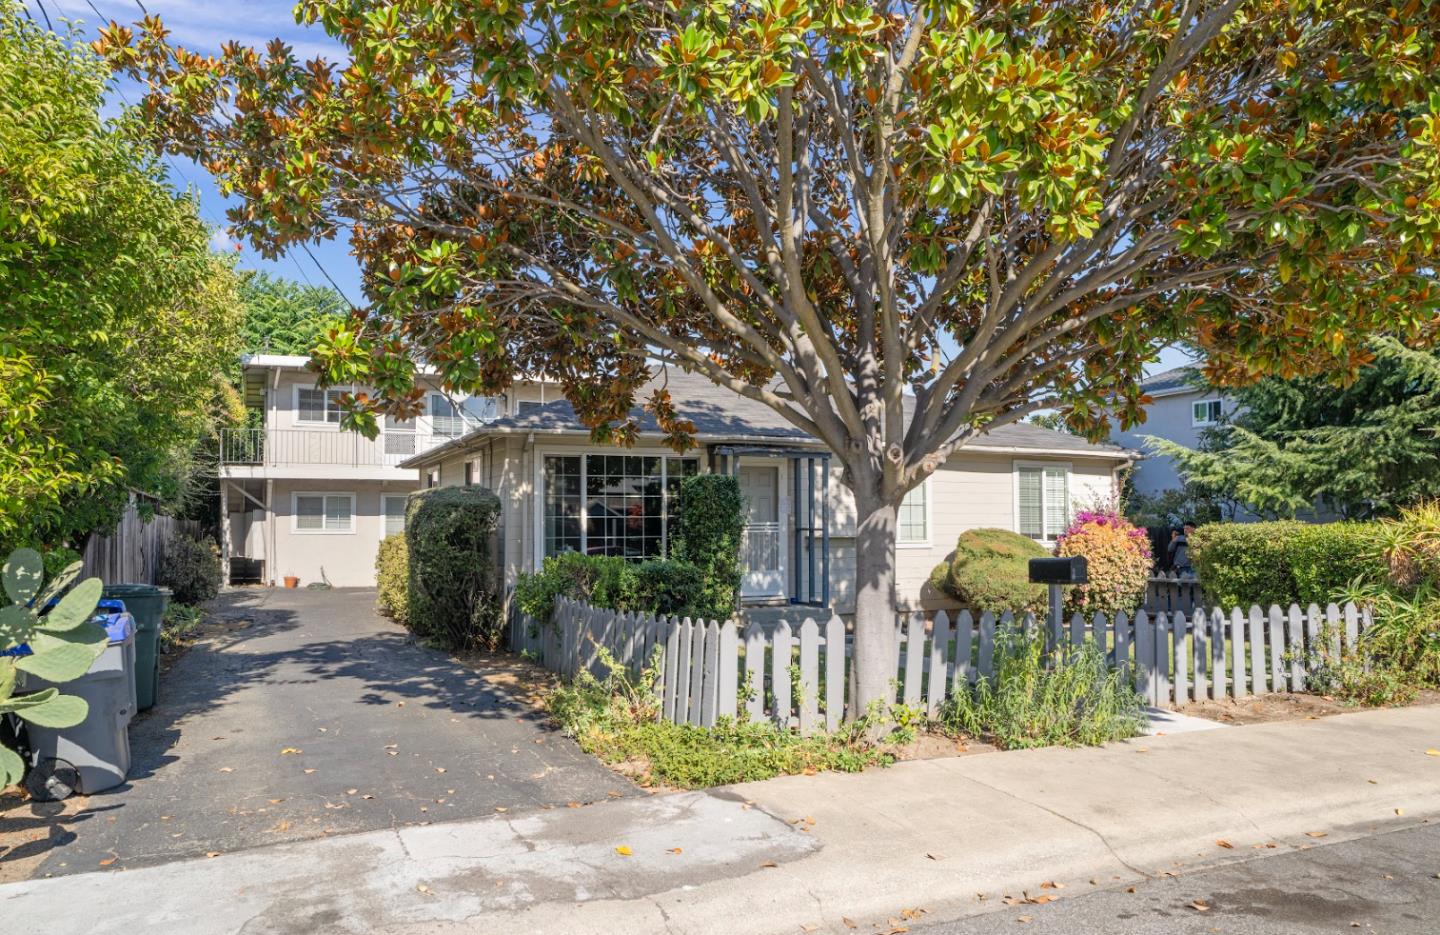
(320, 453)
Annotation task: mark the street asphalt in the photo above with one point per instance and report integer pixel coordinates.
(1388, 884)
(304, 714)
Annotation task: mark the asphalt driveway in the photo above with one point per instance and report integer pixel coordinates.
(304, 714)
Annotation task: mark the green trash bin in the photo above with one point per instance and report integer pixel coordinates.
(146, 603)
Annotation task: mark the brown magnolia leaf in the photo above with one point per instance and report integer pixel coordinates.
(1315, 834)
(850, 923)
(309, 771)
(107, 861)
(912, 914)
(1052, 885)
(623, 851)
(809, 927)
(676, 850)
(1129, 889)
(212, 853)
(572, 804)
(934, 856)
(274, 801)
(769, 865)
(501, 808)
(1432, 752)
(425, 889)
(291, 751)
(1199, 905)
(226, 769)
(367, 796)
(1012, 901)
(1225, 844)
(1024, 919)
(439, 769)
(1042, 900)
(351, 791)
(1399, 811)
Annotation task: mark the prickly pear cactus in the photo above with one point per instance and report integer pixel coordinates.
(63, 643)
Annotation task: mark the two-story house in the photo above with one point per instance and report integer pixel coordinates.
(1183, 408)
(301, 498)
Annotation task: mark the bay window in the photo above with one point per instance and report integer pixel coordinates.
(604, 504)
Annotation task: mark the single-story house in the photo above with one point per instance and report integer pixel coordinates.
(560, 491)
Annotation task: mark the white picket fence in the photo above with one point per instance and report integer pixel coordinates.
(797, 676)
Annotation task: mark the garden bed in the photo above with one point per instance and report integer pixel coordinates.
(1266, 709)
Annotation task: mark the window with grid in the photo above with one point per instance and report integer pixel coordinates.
(1205, 412)
(913, 527)
(611, 504)
(316, 405)
(1043, 500)
(315, 512)
(445, 416)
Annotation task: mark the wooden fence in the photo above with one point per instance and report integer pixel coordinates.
(133, 550)
(797, 676)
(1167, 593)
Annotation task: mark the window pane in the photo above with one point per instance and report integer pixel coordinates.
(394, 515)
(1057, 502)
(1031, 502)
(309, 512)
(332, 405)
(912, 519)
(444, 417)
(312, 405)
(337, 514)
(561, 522)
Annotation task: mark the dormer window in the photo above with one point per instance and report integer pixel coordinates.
(1205, 412)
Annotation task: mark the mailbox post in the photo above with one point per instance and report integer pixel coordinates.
(1057, 573)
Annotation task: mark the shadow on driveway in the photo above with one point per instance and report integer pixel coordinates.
(302, 714)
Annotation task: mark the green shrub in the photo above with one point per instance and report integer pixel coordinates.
(669, 587)
(1240, 564)
(1411, 545)
(58, 559)
(392, 578)
(1038, 699)
(599, 580)
(190, 568)
(449, 537)
(1328, 558)
(615, 719)
(181, 625)
(709, 526)
(990, 570)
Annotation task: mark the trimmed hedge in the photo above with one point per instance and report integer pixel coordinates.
(451, 594)
(191, 569)
(990, 570)
(1283, 562)
(670, 587)
(709, 526)
(392, 578)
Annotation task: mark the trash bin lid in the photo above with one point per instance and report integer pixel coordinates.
(111, 605)
(22, 650)
(136, 590)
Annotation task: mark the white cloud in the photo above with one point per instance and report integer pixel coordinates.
(222, 242)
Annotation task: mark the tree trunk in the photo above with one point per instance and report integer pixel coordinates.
(874, 662)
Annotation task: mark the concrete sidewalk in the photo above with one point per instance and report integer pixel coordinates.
(952, 837)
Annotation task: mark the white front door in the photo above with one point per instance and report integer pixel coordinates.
(763, 547)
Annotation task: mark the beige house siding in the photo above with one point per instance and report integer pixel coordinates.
(345, 559)
(972, 489)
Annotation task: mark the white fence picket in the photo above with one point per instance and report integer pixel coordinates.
(986, 655)
(1277, 648)
(727, 692)
(914, 658)
(780, 673)
(809, 687)
(1200, 654)
(697, 670)
(1259, 680)
(1162, 660)
(1239, 687)
(936, 682)
(755, 671)
(710, 680)
(1181, 680)
(1145, 682)
(834, 673)
(964, 639)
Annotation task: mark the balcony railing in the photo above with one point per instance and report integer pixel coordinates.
(291, 447)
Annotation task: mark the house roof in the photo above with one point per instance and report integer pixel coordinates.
(722, 416)
(1170, 382)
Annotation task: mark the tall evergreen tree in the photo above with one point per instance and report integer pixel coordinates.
(1362, 450)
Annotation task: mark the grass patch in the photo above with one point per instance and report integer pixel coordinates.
(615, 719)
(1068, 697)
(181, 626)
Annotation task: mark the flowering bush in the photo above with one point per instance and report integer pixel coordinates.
(1119, 557)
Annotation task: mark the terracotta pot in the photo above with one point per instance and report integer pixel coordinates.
(291, 581)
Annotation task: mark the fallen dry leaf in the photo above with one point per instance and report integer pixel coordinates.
(1432, 752)
(212, 853)
(439, 769)
(809, 927)
(425, 889)
(310, 770)
(934, 856)
(769, 865)
(623, 851)
(912, 914)
(107, 861)
(1315, 834)
(291, 751)
(1052, 885)
(1399, 811)
(1199, 905)
(351, 791)
(676, 850)
(1225, 844)
(226, 769)
(501, 808)
(1129, 889)
(1024, 919)
(850, 923)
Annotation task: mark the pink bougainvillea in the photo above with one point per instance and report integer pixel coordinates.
(1119, 559)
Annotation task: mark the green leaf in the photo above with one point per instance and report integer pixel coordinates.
(60, 663)
(88, 635)
(12, 768)
(16, 623)
(60, 582)
(74, 608)
(22, 575)
(56, 711)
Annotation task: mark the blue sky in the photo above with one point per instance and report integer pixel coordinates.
(203, 25)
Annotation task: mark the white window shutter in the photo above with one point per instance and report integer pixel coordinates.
(1031, 502)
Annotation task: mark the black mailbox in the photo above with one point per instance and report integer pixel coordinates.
(1059, 570)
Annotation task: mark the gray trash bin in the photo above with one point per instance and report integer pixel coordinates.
(97, 749)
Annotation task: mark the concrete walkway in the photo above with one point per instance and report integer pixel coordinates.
(304, 714)
(952, 837)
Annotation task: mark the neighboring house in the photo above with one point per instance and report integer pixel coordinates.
(1182, 409)
(562, 492)
(299, 497)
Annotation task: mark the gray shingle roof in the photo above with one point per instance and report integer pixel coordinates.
(1179, 378)
(721, 415)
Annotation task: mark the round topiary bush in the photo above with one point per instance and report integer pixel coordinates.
(990, 570)
(1119, 559)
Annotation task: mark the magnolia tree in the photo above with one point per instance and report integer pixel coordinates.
(896, 224)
